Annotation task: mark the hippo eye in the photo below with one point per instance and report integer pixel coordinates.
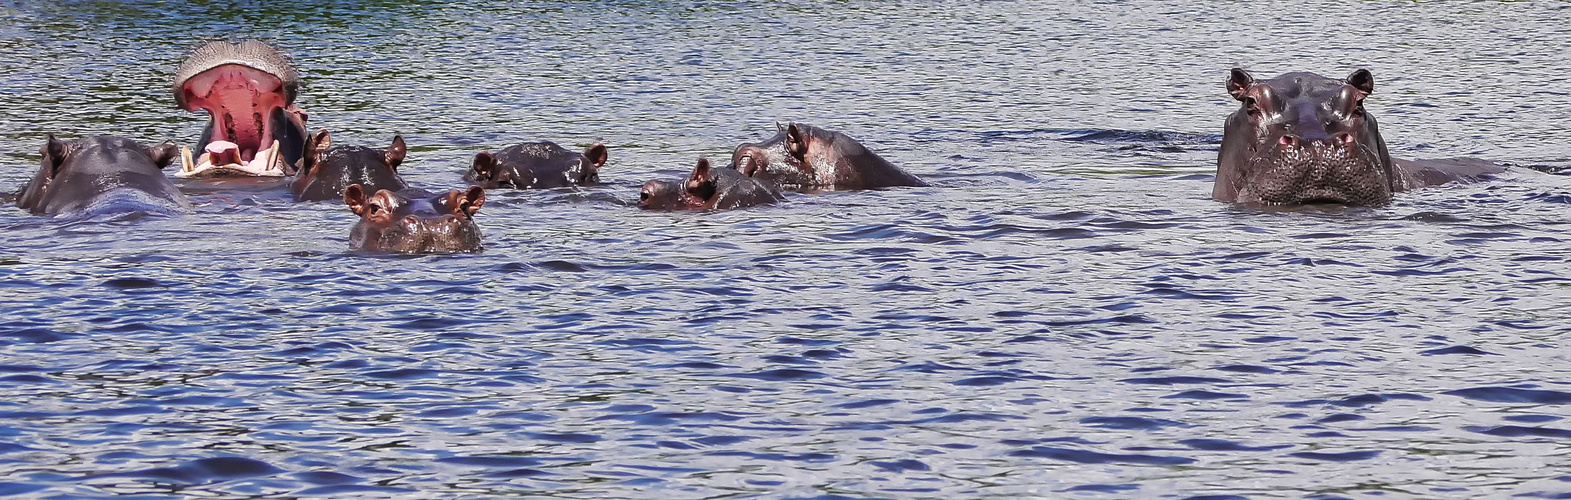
(1251, 105)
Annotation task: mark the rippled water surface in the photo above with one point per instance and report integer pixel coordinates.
(1064, 313)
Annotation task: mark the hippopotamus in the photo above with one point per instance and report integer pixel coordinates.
(102, 174)
(248, 90)
(537, 165)
(808, 158)
(327, 170)
(708, 188)
(390, 222)
(1304, 138)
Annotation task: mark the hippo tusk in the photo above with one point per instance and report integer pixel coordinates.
(186, 165)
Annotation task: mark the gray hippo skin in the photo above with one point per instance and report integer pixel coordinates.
(706, 189)
(102, 175)
(389, 222)
(807, 158)
(537, 165)
(248, 90)
(1304, 138)
(326, 171)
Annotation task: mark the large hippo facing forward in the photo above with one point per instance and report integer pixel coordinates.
(1304, 138)
(707, 188)
(248, 90)
(804, 157)
(102, 174)
(537, 165)
(389, 222)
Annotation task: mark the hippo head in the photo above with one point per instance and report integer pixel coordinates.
(693, 193)
(537, 165)
(789, 158)
(72, 173)
(1302, 138)
(708, 188)
(390, 222)
(326, 171)
(248, 90)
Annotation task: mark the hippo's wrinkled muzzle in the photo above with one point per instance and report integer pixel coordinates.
(1317, 173)
(430, 234)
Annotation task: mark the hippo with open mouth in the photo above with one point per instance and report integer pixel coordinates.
(248, 90)
(1304, 138)
(706, 189)
(102, 174)
(807, 158)
(390, 222)
(326, 171)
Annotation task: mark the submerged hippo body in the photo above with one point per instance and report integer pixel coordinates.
(537, 165)
(804, 157)
(390, 222)
(248, 90)
(708, 188)
(102, 175)
(1304, 138)
(326, 171)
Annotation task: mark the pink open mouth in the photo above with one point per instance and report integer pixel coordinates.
(242, 101)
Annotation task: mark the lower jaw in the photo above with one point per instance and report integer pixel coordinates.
(266, 163)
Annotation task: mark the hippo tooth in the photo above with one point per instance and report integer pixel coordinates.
(186, 165)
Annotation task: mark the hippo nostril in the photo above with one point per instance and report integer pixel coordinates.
(1288, 141)
(643, 196)
(1344, 139)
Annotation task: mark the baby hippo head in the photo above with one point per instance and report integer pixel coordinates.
(695, 192)
(389, 222)
(708, 188)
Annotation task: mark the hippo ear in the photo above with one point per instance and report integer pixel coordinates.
(597, 155)
(699, 184)
(354, 196)
(320, 141)
(473, 199)
(315, 147)
(1238, 82)
(484, 166)
(1362, 80)
(796, 141)
(53, 153)
(700, 173)
(395, 153)
(163, 154)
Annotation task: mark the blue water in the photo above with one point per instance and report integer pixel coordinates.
(1064, 313)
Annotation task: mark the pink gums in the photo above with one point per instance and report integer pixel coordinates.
(241, 100)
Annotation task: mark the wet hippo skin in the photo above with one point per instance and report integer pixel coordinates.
(102, 174)
(1304, 138)
(807, 158)
(391, 222)
(708, 188)
(537, 165)
(327, 170)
